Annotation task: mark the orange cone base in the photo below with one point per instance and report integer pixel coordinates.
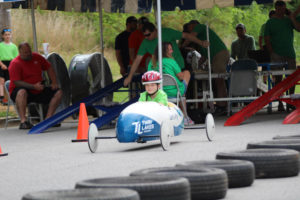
(79, 140)
(3, 154)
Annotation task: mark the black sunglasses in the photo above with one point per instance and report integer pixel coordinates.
(147, 35)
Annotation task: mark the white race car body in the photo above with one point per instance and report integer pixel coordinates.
(142, 121)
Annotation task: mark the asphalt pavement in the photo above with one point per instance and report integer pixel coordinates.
(49, 161)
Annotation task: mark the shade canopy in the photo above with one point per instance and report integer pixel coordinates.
(128, 6)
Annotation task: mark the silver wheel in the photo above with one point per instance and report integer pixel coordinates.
(92, 141)
(165, 135)
(210, 126)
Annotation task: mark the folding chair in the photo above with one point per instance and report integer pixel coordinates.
(169, 80)
(243, 81)
(10, 102)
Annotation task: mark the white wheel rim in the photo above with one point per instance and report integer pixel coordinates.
(210, 126)
(92, 141)
(165, 135)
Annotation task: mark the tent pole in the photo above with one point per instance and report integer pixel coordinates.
(101, 42)
(159, 38)
(35, 49)
(209, 64)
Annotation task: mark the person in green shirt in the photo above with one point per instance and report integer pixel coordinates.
(151, 40)
(261, 38)
(296, 18)
(244, 43)
(152, 80)
(8, 51)
(170, 66)
(219, 60)
(279, 38)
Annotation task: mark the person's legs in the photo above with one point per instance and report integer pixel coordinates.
(219, 64)
(2, 88)
(54, 102)
(277, 79)
(291, 66)
(2, 80)
(187, 119)
(21, 103)
(186, 76)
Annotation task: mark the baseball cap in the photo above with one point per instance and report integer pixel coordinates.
(143, 20)
(131, 19)
(242, 26)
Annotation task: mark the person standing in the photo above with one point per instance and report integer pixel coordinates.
(279, 38)
(150, 43)
(261, 38)
(135, 40)
(121, 45)
(296, 18)
(244, 43)
(8, 51)
(219, 60)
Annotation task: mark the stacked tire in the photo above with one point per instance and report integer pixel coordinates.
(240, 173)
(85, 194)
(87, 76)
(63, 79)
(205, 183)
(149, 188)
(269, 163)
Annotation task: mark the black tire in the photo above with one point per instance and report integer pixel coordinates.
(286, 137)
(206, 183)
(84, 194)
(241, 173)
(63, 79)
(149, 188)
(86, 78)
(276, 144)
(269, 163)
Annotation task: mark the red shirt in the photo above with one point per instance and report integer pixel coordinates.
(135, 40)
(28, 71)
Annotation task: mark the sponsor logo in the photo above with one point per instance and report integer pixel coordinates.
(143, 126)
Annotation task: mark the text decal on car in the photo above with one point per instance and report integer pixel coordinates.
(143, 127)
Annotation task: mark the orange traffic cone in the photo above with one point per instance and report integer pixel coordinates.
(2, 154)
(83, 125)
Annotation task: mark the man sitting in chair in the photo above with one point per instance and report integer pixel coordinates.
(26, 83)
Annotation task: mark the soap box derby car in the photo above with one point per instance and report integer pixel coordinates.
(146, 121)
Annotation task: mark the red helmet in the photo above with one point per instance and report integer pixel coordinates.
(151, 77)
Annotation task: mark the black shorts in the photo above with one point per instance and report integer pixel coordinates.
(4, 73)
(44, 97)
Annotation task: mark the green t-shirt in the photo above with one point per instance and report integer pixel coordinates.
(168, 35)
(161, 97)
(8, 51)
(262, 33)
(281, 36)
(240, 47)
(216, 44)
(170, 67)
